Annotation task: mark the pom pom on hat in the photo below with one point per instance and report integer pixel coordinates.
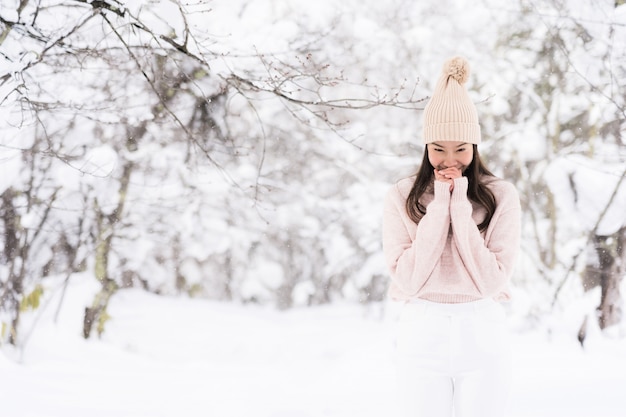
(450, 115)
(457, 68)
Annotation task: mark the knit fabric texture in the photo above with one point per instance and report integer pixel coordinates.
(450, 114)
(445, 258)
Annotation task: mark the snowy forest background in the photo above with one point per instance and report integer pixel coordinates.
(191, 197)
(240, 150)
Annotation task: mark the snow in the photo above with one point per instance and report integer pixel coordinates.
(165, 356)
(10, 164)
(595, 184)
(100, 162)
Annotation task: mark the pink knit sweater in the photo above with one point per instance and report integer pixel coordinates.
(445, 258)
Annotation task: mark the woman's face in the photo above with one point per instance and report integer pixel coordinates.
(446, 154)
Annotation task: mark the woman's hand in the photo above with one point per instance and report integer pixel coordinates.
(448, 175)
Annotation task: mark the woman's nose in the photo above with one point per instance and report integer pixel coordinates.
(449, 161)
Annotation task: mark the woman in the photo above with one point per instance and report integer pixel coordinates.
(451, 236)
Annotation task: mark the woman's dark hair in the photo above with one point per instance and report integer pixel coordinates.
(477, 191)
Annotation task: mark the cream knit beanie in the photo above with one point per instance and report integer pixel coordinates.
(450, 115)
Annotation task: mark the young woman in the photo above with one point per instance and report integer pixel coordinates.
(451, 236)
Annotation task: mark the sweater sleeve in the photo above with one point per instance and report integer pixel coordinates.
(488, 260)
(411, 259)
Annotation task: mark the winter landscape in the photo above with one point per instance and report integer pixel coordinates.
(191, 196)
(166, 356)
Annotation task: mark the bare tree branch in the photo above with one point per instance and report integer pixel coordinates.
(590, 236)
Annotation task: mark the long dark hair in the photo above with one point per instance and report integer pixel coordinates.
(477, 190)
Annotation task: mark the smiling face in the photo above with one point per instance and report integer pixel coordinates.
(447, 154)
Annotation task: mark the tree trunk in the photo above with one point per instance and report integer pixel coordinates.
(96, 314)
(610, 271)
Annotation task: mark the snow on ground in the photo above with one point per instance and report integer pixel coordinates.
(167, 356)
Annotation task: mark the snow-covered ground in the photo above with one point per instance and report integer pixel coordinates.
(173, 356)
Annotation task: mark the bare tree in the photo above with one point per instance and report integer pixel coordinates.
(576, 58)
(139, 89)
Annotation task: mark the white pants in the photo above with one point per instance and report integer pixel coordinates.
(453, 359)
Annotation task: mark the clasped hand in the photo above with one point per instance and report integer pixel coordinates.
(448, 175)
